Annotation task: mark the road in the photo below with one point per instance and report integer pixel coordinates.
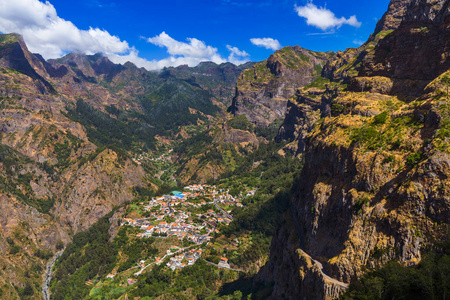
(224, 213)
(162, 259)
(168, 205)
(237, 270)
(317, 263)
(48, 275)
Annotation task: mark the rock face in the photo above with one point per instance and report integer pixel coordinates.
(373, 187)
(393, 17)
(424, 28)
(262, 92)
(304, 109)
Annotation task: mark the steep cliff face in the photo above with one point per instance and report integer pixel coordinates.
(305, 108)
(393, 17)
(345, 65)
(377, 164)
(372, 189)
(262, 91)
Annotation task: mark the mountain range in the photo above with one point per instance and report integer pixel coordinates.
(350, 151)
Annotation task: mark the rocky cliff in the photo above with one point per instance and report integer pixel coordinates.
(377, 164)
(262, 92)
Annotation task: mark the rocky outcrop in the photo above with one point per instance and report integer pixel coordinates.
(360, 207)
(304, 109)
(423, 32)
(14, 55)
(393, 17)
(95, 188)
(262, 92)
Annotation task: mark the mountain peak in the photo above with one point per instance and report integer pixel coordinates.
(393, 17)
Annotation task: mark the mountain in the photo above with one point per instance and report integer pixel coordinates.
(69, 129)
(262, 91)
(219, 80)
(340, 160)
(373, 134)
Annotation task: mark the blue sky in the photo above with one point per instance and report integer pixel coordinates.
(154, 34)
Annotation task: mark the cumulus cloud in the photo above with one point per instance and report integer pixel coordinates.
(323, 18)
(237, 56)
(190, 53)
(267, 43)
(51, 36)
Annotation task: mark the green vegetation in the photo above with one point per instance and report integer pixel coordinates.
(442, 138)
(274, 176)
(199, 279)
(105, 130)
(359, 203)
(8, 38)
(430, 279)
(135, 250)
(385, 133)
(241, 122)
(89, 255)
(167, 108)
(318, 70)
(320, 83)
(383, 34)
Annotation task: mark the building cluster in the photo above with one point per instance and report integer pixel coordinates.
(184, 259)
(182, 215)
(168, 214)
(148, 157)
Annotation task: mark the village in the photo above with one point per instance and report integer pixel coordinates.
(192, 215)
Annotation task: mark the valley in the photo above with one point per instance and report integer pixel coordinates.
(312, 175)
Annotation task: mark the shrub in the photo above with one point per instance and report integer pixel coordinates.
(14, 249)
(381, 118)
(414, 158)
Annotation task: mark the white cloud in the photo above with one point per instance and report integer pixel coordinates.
(358, 42)
(323, 18)
(237, 56)
(191, 53)
(51, 36)
(267, 43)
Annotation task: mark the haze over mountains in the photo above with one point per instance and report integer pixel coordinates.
(349, 154)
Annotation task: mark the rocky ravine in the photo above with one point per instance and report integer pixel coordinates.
(377, 165)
